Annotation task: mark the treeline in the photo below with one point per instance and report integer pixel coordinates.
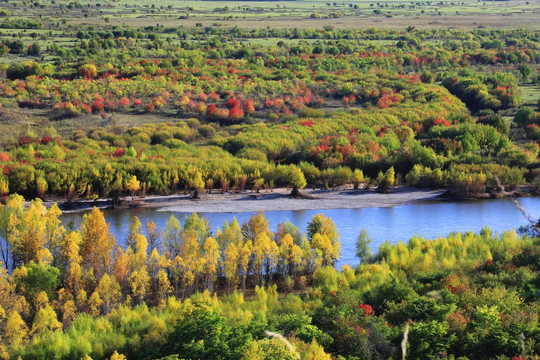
(466, 296)
(50, 274)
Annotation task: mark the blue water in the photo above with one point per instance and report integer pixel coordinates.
(428, 219)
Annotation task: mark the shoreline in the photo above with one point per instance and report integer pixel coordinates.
(276, 200)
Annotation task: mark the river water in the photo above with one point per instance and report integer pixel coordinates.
(429, 219)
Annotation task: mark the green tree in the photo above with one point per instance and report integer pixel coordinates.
(363, 250)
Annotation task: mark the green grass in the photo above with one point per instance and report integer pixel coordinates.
(530, 94)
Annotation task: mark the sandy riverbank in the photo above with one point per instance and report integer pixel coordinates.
(279, 199)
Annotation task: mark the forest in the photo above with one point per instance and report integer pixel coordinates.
(231, 115)
(183, 292)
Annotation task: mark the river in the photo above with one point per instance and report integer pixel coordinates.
(429, 219)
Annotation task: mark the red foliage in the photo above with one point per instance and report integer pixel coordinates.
(441, 121)
(213, 96)
(249, 108)
(386, 100)
(235, 113)
(368, 310)
(212, 110)
(306, 123)
(119, 152)
(349, 100)
(150, 107)
(25, 140)
(125, 102)
(85, 108)
(46, 139)
(4, 157)
(98, 105)
(137, 102)
(233, 103)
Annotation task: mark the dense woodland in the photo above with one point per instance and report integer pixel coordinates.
(72, 294)
(437, 109)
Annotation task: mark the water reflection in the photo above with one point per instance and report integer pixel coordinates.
(428, 219)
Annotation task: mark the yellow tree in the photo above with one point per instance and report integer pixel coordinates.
(243, 261)
(162, 287)
(230, 233)
(210, 261)
(230, 265)
(97, 244)
(322, 246)
(69, 312)
(190, 260)
(134, 230)
(154, 235)
(71, 261)
(272, 257)
(117, 356)
(132, 186)
(160, 283)
(121, 266)
(10, 213)
(290, 255)
(256, 225)
(54, 232)
(28, 243)
(109, 293)
(15, 330)
(325, 227)
(45, 321)
(139, 282)
(261, 247)
(139, 279)
(94, 304)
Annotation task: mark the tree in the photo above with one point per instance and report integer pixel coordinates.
(10, 213)
(297, 180)
(153, 234)
(171, 239)
(46, 321)
(386, 181)
(28, 242)
(525, 71)
(231, 265)
(358, 178)
(41, 187)
(210, 260)
(32, 278)
(132, 186)
(363, 251)
(327, 241)
(261, 247)
(269, 349)
(71, 261)
(290, 254)
(97, 244)
(16, 331)
(108, 292)
(245, 255)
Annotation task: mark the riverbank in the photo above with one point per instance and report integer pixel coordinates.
(276, 200)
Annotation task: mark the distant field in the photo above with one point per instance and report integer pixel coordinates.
(289, 14)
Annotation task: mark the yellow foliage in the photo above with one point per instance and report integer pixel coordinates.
(15, 330)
